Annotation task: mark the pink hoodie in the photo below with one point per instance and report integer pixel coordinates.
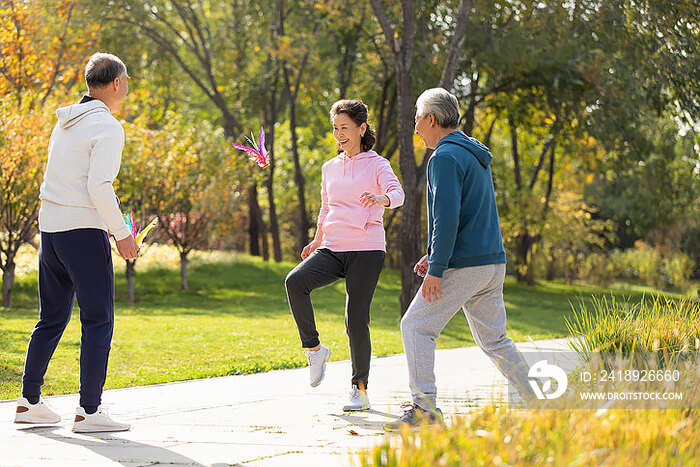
(345, 223)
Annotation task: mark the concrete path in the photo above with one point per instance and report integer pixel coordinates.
(267, 419)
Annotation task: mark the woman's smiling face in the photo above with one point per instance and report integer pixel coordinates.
(347, 134)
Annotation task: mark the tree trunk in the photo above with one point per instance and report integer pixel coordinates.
(183, 270)
(263, 236)
(411, 248)
(270, 120)
(274, 225)
(304, 224)
(524, 259)
(522, 249)
(253, 220)
(530, 276)
(130, 273)
(410, 244)
(8, 280)
(551, 268)
(269, 183)
(292, 91)
(262, 230)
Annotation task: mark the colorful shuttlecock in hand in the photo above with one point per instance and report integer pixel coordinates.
(258, 151)
(138, 233)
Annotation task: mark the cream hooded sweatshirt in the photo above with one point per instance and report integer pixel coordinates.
(85, 152)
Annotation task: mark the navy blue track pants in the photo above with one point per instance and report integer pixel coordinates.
(75, 263)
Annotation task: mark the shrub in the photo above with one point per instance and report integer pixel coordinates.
(644, 263)
(677, 270)
(597, 268)
(640, 264)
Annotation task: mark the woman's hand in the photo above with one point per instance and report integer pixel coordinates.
(368, 200)
(310, 248)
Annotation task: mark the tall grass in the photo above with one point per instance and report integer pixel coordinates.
(613, 325)
(498, 436)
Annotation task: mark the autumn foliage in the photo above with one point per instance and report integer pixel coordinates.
(40, 63)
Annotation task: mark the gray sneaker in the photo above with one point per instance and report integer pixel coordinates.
(317, 364)
(414, 416)
(358, 401)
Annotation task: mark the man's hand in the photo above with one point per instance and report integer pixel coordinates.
(308, 249)
(431, 288)
(368, 200)
(127, 248)
(421, 267)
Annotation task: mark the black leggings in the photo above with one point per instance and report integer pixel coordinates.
(361, 271)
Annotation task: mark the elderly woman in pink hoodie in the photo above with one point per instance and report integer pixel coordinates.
(357, 185)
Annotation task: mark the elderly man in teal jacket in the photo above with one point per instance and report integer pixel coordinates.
(465, 264)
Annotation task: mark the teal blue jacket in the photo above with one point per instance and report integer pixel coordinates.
(463, 228)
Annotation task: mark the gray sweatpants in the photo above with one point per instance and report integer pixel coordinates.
(478, 291)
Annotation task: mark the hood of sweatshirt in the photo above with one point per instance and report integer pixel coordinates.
(351, 161)
(472, 145)
(72, 114)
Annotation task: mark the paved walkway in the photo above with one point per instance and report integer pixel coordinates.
(267, 419)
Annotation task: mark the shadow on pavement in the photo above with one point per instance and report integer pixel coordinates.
(119, 450)
(361, 419)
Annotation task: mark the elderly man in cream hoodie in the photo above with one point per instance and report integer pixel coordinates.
(79, 209)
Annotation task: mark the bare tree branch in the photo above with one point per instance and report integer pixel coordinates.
(389, 153)
(487, 138)
(59, 56)
(388, 30)
(460, 34)
(211, 91)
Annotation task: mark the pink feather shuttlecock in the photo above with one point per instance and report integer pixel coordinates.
(257, 152)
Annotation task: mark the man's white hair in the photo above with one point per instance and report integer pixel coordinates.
(442, 104)
(102, 69)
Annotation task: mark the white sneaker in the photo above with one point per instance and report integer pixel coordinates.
(39, 413)
(358, 401)
(96, 422)
(317, 364)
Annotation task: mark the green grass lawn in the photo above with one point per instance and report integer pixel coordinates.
(235, 320)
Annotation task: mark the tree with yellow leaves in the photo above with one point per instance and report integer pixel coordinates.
(183, 173)
(23, 137)
(40, 63)
(40, 59)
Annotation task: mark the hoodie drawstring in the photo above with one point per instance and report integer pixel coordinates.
(352, 166)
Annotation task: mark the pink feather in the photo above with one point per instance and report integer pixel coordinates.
(258, 155)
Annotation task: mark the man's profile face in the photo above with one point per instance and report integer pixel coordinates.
(421, 126)
(122, 87)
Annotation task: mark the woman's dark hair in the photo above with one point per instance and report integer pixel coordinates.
(358, 113)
